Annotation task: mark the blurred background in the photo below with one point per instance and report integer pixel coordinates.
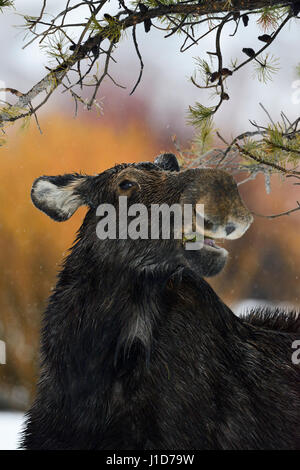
(263, 265)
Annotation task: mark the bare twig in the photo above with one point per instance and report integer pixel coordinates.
(275, 216)
(140, 59)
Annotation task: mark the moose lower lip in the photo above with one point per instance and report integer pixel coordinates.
(210, 242)
(207, 241)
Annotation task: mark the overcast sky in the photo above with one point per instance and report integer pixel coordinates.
(165, 80)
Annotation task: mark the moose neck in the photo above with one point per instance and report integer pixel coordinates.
(111, 294)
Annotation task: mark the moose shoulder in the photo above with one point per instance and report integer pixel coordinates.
(138, 352)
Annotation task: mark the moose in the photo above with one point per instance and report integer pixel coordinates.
(137, 350)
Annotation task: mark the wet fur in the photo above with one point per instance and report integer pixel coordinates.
(138, 352)
(274, 319)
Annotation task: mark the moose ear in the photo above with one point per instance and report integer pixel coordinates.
(167, 161)
(58, 196)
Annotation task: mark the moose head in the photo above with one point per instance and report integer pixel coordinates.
(152, 184)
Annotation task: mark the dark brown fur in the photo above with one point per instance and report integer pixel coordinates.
(138, 352)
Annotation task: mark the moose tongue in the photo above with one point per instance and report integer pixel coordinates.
(210, 242)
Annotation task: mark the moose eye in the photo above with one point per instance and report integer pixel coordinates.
(126, 184)
(208, 225)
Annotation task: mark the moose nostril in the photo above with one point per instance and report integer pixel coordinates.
(229, 229)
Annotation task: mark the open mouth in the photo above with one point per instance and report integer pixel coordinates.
(208, 242)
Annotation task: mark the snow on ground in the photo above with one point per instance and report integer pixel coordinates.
(10, 427)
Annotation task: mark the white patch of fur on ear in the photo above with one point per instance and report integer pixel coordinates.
(59, 202)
